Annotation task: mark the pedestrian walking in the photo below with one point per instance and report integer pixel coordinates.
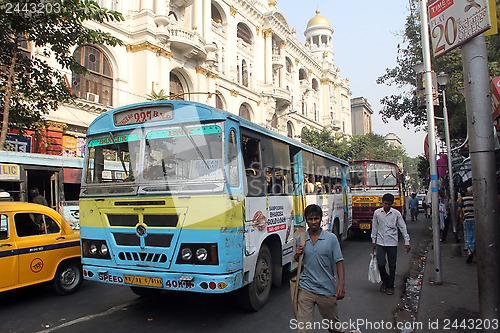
(318, 283)
(385, 225)
(414, 207)
(469, 224)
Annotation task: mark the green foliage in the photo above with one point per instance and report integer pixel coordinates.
(29, 86)
(369, 146)
(404, 105)
(158, 96)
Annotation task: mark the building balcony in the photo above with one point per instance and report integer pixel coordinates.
(277, 61)
(188, 42)
(282, 97)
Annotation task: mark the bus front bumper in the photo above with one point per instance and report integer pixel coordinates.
(193, 282)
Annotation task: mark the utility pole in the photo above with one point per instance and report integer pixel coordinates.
(429, 98)
(482, 156)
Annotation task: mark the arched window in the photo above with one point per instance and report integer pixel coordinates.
(302, 74)
(244, 33)
(176, 87)
(219, 103)
(289, 129)
(288, 65)
(97, 85)
(216, 16)
(315, 85)
(274, 121)
(244, 112)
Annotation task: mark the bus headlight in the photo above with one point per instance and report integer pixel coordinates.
(186, 254)
(201, 254)
(198, 254)
(103, 250)
(97, 249)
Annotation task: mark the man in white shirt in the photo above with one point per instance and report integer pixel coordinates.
(385, 225)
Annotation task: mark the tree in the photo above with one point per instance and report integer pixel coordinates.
(29, 86)
(404, 105)
(357, 147)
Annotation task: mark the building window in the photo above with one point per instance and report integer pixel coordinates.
(244, 112)
(219, 103)
(176, 88)
(289, 130)
(244, 73)
(244, 33)
(97, 85)
(288, 65)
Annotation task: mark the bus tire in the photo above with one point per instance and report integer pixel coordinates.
(255, 295)
(145, 292)
(68, 278)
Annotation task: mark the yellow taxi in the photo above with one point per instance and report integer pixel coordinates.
(37, 245)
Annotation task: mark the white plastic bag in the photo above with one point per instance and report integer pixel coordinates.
(373, 272)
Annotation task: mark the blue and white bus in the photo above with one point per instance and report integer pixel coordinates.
(202, 201)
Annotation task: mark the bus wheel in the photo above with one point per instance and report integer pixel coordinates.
(68, 278)
(256, 294)
(145, 292)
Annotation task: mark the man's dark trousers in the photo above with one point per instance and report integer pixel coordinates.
(392, 255)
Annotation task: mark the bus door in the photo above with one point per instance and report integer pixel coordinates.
(54, 191)
(256, 207)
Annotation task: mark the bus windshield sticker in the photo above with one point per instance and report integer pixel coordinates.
(178, 131)
(104, 141)
(144, 115)
(198, 169)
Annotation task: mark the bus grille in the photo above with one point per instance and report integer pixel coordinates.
(154, 240)
(143, 257)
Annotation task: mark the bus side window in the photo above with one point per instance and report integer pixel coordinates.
(253, 166)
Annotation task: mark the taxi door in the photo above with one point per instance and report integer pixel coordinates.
(38, 248)
(8, 253)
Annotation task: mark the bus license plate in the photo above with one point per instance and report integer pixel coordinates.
(143, 281)
(364, 226)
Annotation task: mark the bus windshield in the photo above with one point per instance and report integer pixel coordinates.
(175, 156)
(381, 174)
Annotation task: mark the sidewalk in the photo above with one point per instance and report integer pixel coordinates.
(447, 306)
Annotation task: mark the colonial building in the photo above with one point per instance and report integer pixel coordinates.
(393, 140)
(362, 113)
(241, 51)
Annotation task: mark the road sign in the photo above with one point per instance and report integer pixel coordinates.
(453, 22)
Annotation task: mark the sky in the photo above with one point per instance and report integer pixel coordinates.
(365, 38)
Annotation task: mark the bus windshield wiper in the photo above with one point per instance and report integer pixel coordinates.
(194, 145)
(119, 152)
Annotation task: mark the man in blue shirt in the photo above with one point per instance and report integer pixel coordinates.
(414, 207)
(317, 283)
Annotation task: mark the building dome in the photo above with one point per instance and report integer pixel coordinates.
(318, 20)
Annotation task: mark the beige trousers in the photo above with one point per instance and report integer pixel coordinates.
(327, 306)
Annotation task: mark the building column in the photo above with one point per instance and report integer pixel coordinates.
(207, 21)
(147, 5)
(197, 12)
(268, 61)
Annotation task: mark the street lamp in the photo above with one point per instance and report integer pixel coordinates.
(442, 80)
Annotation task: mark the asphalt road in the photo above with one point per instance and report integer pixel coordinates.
(100, 308)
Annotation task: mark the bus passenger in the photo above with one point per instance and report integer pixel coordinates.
(309, 187)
